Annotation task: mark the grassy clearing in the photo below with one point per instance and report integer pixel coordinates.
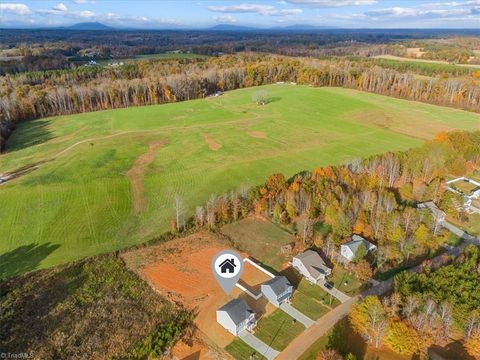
(260, 238)
(241, 351)
(278, 329)
(80, 199)
(163, 56)
(340, 277)
(425, 61)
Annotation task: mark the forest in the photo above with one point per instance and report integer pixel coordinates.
(426, 308)
(34, 95)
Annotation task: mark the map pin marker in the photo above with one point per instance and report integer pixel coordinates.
(227, 266)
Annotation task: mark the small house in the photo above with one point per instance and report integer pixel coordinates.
(236, 316)
(277, 290)
(349, 250)
(311, 266)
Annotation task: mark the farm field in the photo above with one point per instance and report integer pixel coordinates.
(399, 58)
(162, 56)
(105, 180)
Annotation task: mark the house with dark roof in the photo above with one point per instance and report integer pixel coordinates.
(277, 290)
(236, 316)
(311, 266)
(349, 250)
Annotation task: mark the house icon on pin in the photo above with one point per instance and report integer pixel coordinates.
(227, 266)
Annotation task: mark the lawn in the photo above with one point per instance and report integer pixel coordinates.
(106, 180)
(241, 351)
(278, 329)
(260, 238)
(308, 298)
(308, 306)
(345, 281)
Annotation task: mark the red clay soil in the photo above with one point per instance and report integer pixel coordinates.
(181, 271)
(137, 173)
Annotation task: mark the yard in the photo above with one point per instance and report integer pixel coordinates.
(308, 298)
(241, 351)
(278, 329)
(345, 281)
(261, 239)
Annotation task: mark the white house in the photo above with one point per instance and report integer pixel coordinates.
(471, 203)
(349, 250)
(236, 316)
(277, 290)
(311, 266)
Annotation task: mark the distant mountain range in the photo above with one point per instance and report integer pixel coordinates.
(220, 27)
(89, 26)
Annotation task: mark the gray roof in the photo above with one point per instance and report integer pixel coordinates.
(278, 284)
(314, 263)
(237, 309)
(356, 241)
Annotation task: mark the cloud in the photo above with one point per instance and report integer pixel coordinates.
(393, 11)
(400, 12)
(84, 1)
(225, 19)
(60, 7)
(266, 10)
(17, 9)
(242, 8)
(332, 3)
(285, 12)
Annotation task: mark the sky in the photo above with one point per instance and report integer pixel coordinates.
(191, 14)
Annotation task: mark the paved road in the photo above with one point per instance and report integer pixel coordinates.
(336, 293)
(258, 345)
(306, 339)
(290, 310)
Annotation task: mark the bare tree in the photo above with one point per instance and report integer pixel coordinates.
(305, 227)
(445, 312)
(260, 97)
(473, 324)
(378, 324)
(179, 213)
(200, 216)
(211, 211)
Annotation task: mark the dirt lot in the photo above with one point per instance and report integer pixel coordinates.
(165, 267)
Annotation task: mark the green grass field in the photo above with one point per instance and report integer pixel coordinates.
(78, 202)
(261, 239)
(278, 329)
(162, 56)
(241, 351)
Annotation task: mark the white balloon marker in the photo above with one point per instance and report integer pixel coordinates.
(227, 266)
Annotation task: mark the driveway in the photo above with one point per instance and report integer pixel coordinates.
(335, 293)
(297, 315)
(258, 345)
(302, 342)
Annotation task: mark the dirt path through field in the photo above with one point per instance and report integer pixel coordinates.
(137, 173)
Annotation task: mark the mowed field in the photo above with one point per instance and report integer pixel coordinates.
(105, 180)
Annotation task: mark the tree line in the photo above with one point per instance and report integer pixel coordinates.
(431, 307)
(40, 94)
(375, 197)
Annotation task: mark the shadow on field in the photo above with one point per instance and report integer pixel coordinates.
(24, 259)
(32, 133)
